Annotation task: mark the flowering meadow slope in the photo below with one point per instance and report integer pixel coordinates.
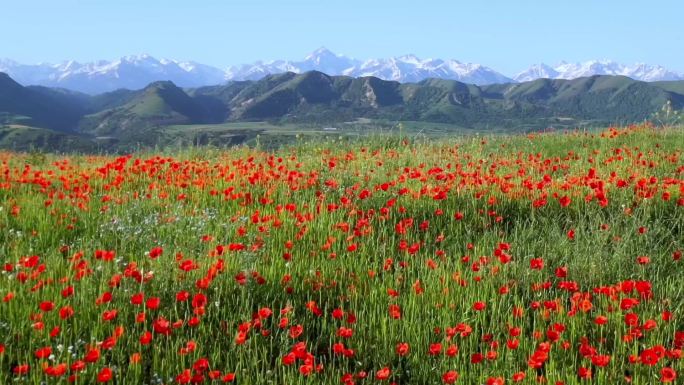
(551, 258)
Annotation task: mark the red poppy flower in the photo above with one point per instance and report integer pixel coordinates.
(450, 377)
(564, 201)
(518, 377)
(667, 375)
(402, 348)
(92, 355)
(583, 372)
(383, 374)
(600, 360)
(265, 312)
(104, 375)
(395, 311)
(536, 263)
(155, 252)
(152, 303)
(435, 349)
(43, 352)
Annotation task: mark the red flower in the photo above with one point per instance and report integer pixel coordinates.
(583, 372)
(561, 272)
(395, 311)
(92, 356)
(383, 374)
(536, 263)
(156, 252)
(66, 312)
(21, 370)
(564, 201)
(403, 348)
(137, 299)
(109, 315)
(450, 377)
(296, 331)
(649, 357)
(105, 375)
(289, 359)
(495, 381)
(600, 360)
(643, 260)
(476, 358)
(162, 326)
(43, 352)
(435, 349)
(56, 371)
(78, 366)
(199, 300)
(338, 314)
(146, 338)
(265, 312)
(185, 377)
(667, 374)
(182, 296)
(153, 303)
(345, 332)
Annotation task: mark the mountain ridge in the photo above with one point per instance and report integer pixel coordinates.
(317, 99)
(137, 71)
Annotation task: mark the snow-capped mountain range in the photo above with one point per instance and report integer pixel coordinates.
(639, 71)
(135, 72)
(408, 68)
(132, 72)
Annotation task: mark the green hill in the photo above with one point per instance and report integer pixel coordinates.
(38, 106)
(605, 98)
(159, 104)
(314, 99)
(24, 138)
(314, 96)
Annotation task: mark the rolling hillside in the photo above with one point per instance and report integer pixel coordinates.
(315, 99)
(159, 104)
(39, 106)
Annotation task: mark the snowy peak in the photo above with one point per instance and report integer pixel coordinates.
(137, 71)
(320, 55)
(326, 61)
(565, 70)
(537, 71)
(406, 68)
(132, 72)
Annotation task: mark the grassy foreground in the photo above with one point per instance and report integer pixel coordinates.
(551, 258)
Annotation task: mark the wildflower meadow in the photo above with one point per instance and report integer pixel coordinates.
(550, 258)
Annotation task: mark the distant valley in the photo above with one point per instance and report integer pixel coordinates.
(290, 104)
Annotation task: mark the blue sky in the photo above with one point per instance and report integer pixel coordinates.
(507, 35)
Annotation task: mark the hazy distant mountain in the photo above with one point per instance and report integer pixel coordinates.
(130, 72)
(641, 71)
(407, 68)
(136, 72)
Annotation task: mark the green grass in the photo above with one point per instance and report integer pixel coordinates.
(20, 137)
(299, 210)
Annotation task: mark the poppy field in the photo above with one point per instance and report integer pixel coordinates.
(549, 258)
